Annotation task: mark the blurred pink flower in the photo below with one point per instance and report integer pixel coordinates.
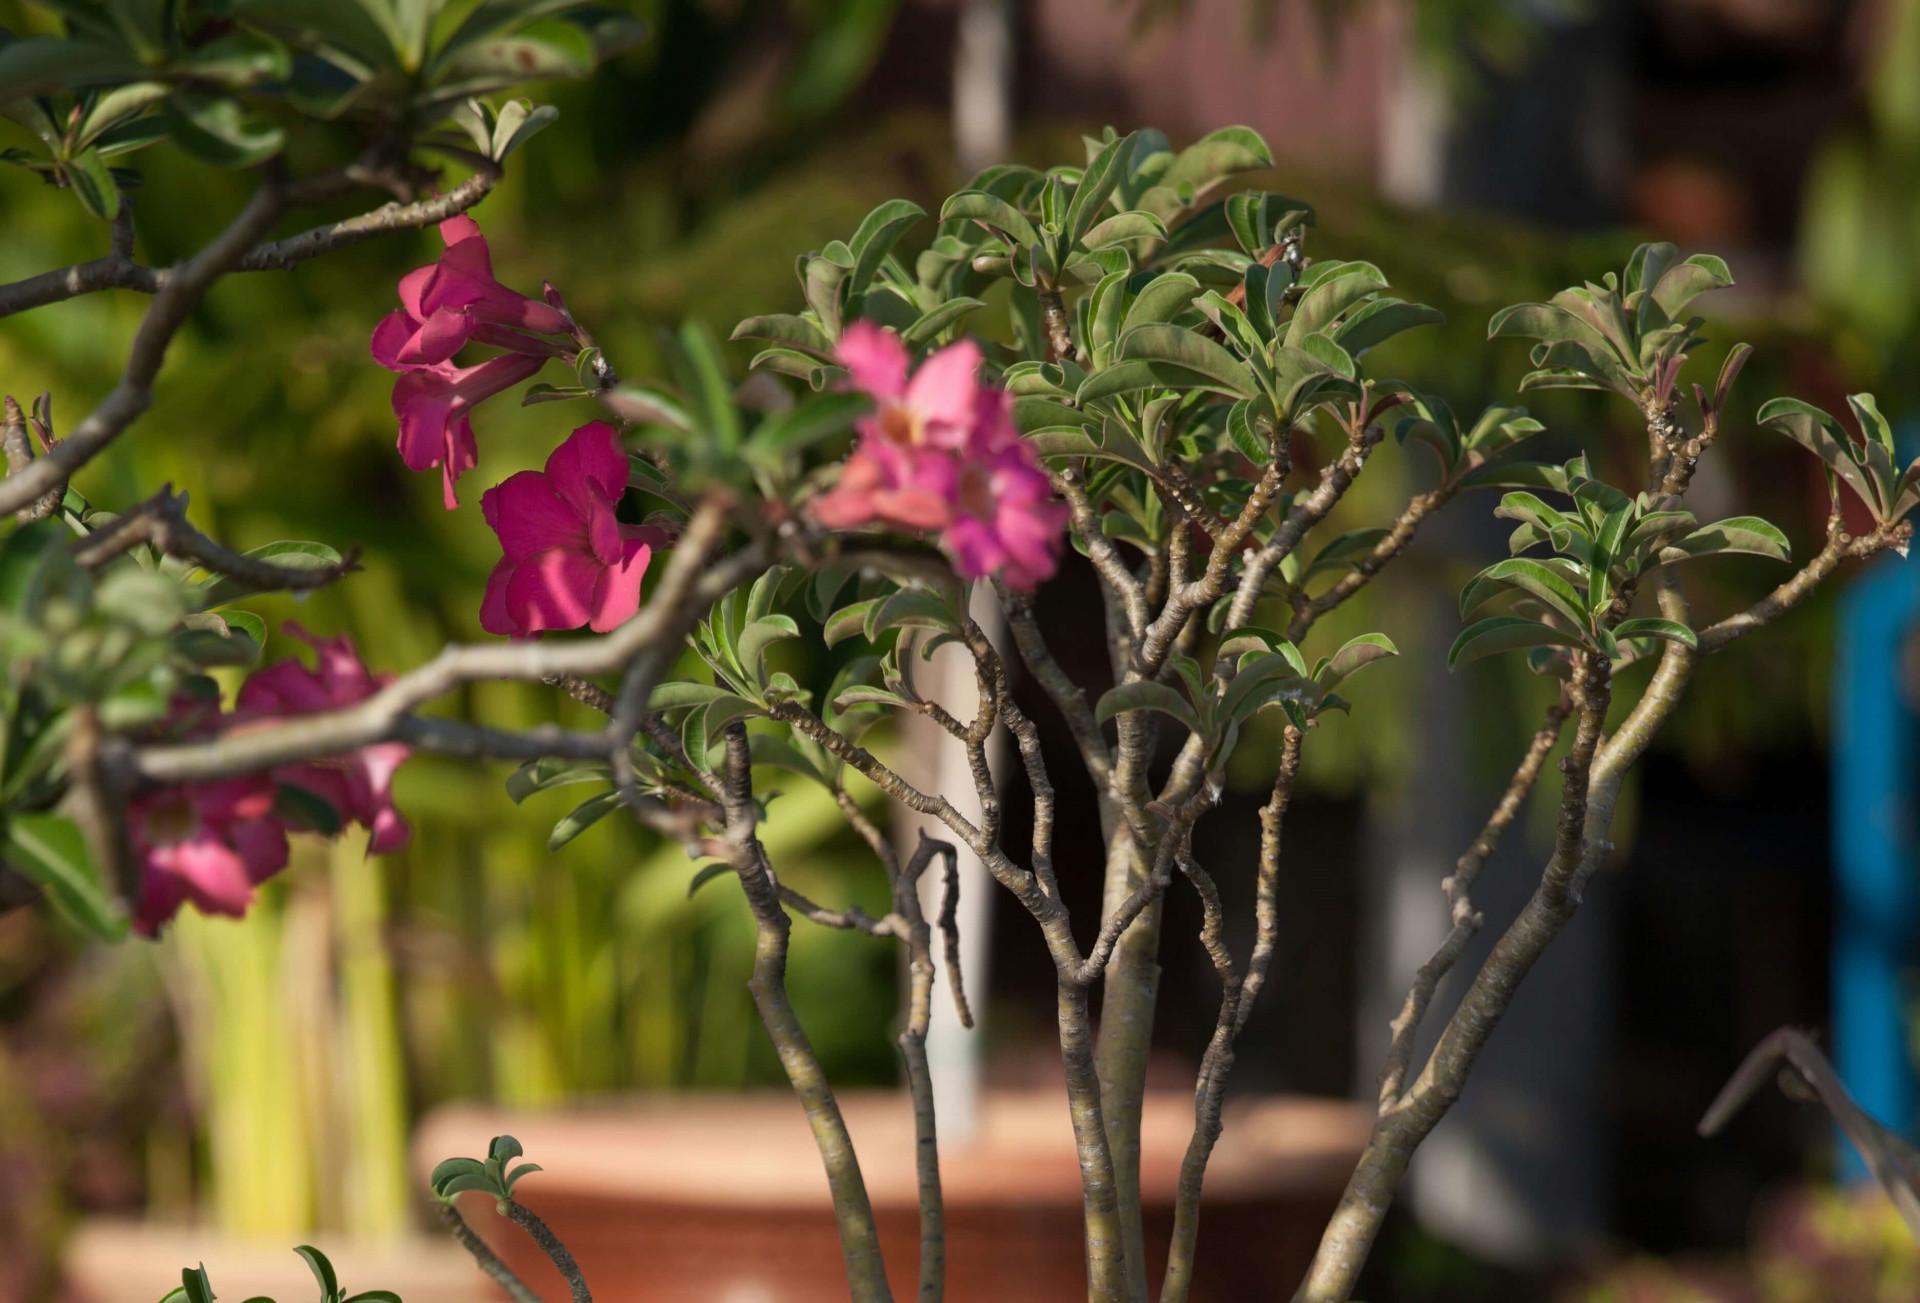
(359, 784)
(568, 559)
(941, 452)
(445, 305)
(935, 408)
(205, 843)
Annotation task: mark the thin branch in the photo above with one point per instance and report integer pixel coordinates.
(1068, 696)
(689, 585)
(1839, 547)
(950, 934)
(1466, 921)
(1888, 1155)
(1209, 1090)
(502, 1275)
(161, 523)
(171, 306)
(1101, 551)
(1307, 610)
(556, 1252)
(1266, 897)
(859, 1235)
(118, 270)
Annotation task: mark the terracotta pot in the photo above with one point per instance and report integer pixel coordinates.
(721, 1199)
(110, 1261)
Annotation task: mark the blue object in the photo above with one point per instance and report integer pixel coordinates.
(1876, 742)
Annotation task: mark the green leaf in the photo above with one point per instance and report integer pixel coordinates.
(291, 553)
(543, 51)
(875, 237)
(238, 60)
(1502, 633)
(1671, 630)
(1123, 228)
(786, 328)
(644, 406)
(518, 123)
(1327, 300)
(1683, 284)
(721, 712)
(44, 65)
(322, 1272)
(50, 850)
(762, 634)
(1147, 695)
(93, 184)
(848, 621)
(1381, 320)
(679, 693)
(582, 817)
(1216, 368)
(1749, 534)
(1160, 300)
(1102, 176)
(804, 425)
(931, 323)
(1344, 551)
(194, 1282)
(216, 130)
(554, 771)
(910, 608)
(992, 212)
(1356, 654)
(1217, 155)
(115, 106)
(1074, 441)
(449, 1168)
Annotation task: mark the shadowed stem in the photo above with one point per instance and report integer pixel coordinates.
(557, 1252)
(859, 1236)
(502, 1275)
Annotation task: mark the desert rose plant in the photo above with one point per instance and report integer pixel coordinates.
(1168, 383)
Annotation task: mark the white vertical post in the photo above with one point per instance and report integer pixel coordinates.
(935, 762)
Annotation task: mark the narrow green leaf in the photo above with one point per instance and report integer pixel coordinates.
(581, 818)
(50, 850)
(1147, 695)
(1502, 633)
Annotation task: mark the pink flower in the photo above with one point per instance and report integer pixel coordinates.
(941, 452)
(449, 302)
(568, 559)
(209, 844)
(359, 785)
(933, 409)
(1005, 523)
(444, 306)
(433, 404)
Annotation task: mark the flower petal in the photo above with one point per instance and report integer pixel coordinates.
(441, 336)
(393, 333)
(876, 357)
(493, 607)
(530, 517)
(944, 392)
(589, 465)
(616, 598)
(554, 590)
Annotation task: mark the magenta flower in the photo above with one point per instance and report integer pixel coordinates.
(359, 785)
(451, 301)
(1005, 522)
(444, 306)
(941, 453)
(433, 406)
(568, 559)
(209, 844)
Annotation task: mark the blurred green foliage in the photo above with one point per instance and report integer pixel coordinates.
(528, 976)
